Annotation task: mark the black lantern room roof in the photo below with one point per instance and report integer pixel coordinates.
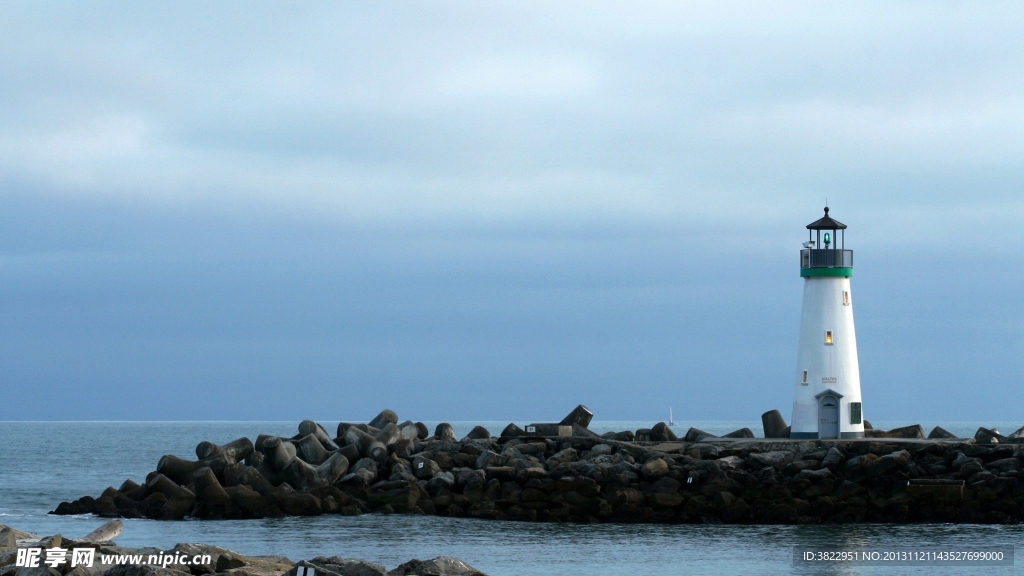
(826, 223)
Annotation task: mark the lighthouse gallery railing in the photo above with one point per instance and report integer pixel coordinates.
(826, 258)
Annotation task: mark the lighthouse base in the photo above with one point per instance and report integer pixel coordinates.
(814, 435)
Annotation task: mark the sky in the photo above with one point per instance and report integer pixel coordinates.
(496, 211)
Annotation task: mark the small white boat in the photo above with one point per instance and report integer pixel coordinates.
(671, 422)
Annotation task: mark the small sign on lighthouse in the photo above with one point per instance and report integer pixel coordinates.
(827, 402)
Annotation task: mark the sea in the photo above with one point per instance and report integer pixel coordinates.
(44, 463)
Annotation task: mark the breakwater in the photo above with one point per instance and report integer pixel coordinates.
(533, 476)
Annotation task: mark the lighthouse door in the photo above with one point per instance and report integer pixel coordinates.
(828, 417)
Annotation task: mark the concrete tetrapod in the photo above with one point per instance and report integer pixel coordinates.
(444, 432)
(307, 427)
(279, 453)
(311, 450)
(580, 415)
(368, 445)
(386, 416)
(234, 451)
(774, 425)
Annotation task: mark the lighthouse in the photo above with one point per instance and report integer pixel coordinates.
(827, 402)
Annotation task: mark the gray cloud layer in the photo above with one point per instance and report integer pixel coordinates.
(467, 210)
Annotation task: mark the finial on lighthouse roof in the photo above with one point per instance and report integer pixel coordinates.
(826, 223)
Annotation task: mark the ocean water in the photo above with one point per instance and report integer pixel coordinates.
(44, 463)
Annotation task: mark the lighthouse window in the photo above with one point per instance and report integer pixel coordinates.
(828, 337)
(855, 413)
(804, 382)
(846, 298)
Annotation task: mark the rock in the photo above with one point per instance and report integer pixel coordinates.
(512, 431)
(1018, 433)
(383, 419)
(335, 566)
(424, 468)
(962, 459)
(662, 433)
(696, 435)
(655, 468)
(834, 457)
(135, 570)
(939, 432)
(444, 432)
(624, 436)
(868, 426)
(479, 433)
(580, 416)
(441, 481)
(915, 431)
(600, 450)
(105, 533)
(731, 463)
(776, 459)
(490, 458)
(986, 436)
(643, 435)
(440, 566)
(567, 455)
(856, 464)
(774, 424)
(741, 433)
(1004, 465)
(887, 464)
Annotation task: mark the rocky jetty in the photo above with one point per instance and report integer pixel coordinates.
(109, 559)
(557, 472)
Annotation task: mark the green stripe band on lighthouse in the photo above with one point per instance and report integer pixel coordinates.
(815, 272)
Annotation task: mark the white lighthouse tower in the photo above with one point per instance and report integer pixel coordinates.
(827, 402)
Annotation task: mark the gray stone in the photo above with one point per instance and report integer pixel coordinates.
(962, 459)
(424, 468)
(696, 435)
(440, 566)
(660, 432)
(776, 459)
(833, 457)
(600, 450)
(512, 431)
(335, 566)
(490, 458)
(1004, 465)
(444, 432)
(655, 468)
(986, 436)
(939, 432)
(567, 455)
(478, 433)
(914, 431)
(441, 480)
(741, 433)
